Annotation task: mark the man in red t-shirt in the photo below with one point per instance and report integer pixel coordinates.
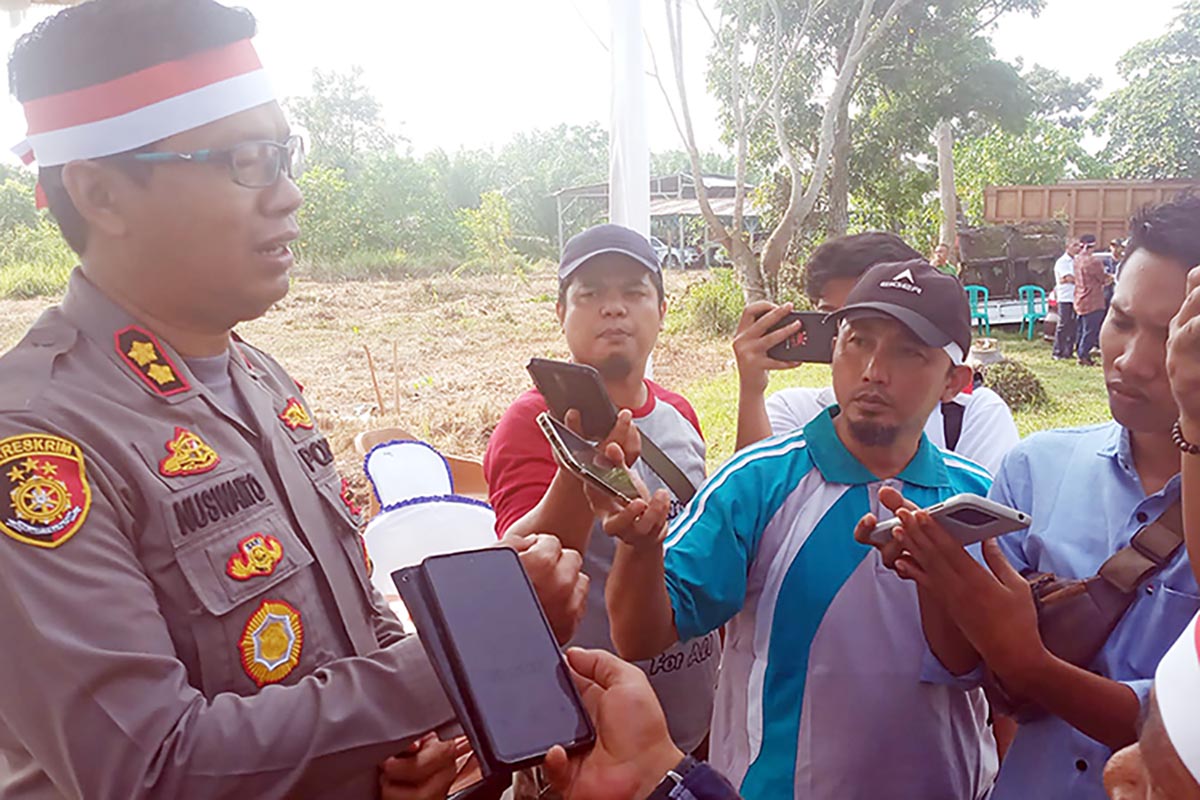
(611, 307)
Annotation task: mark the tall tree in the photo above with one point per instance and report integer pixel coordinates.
(343, 119)
(757, 44)
(1153, 123)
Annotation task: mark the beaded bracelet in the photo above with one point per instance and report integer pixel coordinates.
(1182, 443)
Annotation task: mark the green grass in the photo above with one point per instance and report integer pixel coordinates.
(1077, 395)
(20, 281)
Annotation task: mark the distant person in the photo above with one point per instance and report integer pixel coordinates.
(1090, 280)
(611, 307)
(976, 423)
(1112, 265)
(1067, 332)
(941, 260)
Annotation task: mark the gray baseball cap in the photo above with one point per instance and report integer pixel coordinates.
(607, 238)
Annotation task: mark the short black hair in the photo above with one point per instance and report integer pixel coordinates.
(101, 40)
(656, 279)
(1170, 230)
(1087, 238)
(851, 256)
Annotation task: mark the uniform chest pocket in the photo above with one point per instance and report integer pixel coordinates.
(237, 562)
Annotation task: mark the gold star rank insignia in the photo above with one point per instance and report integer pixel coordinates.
(144, 355)
(271, 642)
(46, 496)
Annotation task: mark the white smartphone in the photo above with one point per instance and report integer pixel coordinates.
(969, 518)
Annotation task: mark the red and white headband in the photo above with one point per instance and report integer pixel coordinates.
(1177, 687)
(144, 107)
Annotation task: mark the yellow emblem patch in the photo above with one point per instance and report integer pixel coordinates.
(271, 642)
(295, 416)
(44, 494)
(188, 455)
(256, 555)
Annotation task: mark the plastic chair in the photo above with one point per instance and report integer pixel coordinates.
(466, 473)
(978, 298)
(1037, 307)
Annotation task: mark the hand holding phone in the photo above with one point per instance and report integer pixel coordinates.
(968, 518)
(494, 653)
(587, 462)
(566, 386)
(812, 343)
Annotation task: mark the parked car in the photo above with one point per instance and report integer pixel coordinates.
(668, 257)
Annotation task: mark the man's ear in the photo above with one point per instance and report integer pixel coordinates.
(662, 314)
(561, 310)
(96, 192)
(957, 380)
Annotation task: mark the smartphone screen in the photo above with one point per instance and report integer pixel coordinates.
(509, 664)
(593, 462)
(813, 343)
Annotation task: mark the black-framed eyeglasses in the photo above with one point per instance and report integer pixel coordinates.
(255, 165)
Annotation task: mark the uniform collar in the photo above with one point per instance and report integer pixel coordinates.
(838, 465)
(134, 349)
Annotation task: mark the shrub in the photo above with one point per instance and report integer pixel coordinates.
(34, 261)
(712, 306)
(1016, 383)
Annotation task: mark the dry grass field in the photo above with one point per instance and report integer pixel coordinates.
(461, 345)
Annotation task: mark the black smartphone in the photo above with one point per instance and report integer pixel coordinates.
(565, 386)
(813, 343)
(512, 678)
(585, 460)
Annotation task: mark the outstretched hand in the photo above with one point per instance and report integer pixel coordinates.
(754, 338)
(1183, 358)
(642, 523)
(633, 749)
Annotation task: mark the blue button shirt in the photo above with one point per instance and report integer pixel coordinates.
(820, 694)
(1087, 502)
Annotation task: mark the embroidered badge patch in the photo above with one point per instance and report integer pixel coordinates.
(294, 416)
(256, 555)
(188, 455)
(143, 353)
(44, 492)
(271, 642)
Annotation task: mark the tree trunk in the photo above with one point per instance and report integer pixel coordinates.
(945, 152)
(839, 178)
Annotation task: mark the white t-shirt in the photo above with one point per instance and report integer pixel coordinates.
(1065, 292)
(988, 429)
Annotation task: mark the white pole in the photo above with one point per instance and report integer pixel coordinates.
(629, 149)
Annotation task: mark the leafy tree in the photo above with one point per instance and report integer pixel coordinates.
(343, 119)
(1153, 123)
(1046, 152)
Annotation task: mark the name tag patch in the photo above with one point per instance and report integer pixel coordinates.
(222, 501)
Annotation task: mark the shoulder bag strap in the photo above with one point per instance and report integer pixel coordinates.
(666, 469)
(1148, 552)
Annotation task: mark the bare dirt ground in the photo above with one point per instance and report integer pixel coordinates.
(461, 345)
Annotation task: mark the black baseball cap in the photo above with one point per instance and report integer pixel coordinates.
(606, 239)
(930, 303)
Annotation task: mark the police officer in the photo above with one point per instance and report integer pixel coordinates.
(185, 608)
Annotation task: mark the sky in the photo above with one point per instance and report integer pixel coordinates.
(470, 73)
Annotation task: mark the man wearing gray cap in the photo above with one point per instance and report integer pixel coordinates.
(611, 308)
(821, 694)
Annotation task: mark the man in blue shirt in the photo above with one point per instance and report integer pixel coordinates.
(820, 695)
(1088, 490)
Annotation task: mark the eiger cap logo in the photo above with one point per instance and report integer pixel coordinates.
(903, 281)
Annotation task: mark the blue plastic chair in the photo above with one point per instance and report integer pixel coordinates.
(978, 297)
(1036, 307)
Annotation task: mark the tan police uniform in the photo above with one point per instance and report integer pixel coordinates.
(185, 608)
